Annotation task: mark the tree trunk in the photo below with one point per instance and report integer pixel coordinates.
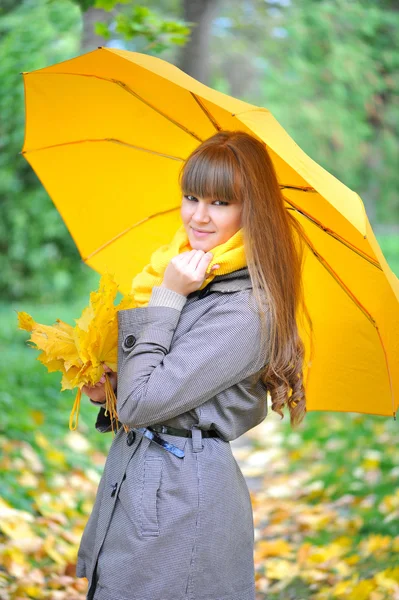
(194, 56)
(91, 41)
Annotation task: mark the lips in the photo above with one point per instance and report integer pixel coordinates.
(201, 230)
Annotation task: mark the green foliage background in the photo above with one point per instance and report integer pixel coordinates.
(328, 71)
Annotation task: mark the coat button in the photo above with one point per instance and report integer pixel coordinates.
(130, 340)
(131, 436)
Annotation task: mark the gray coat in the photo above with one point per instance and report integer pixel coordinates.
(164, 527)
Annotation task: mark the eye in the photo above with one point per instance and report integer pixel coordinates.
(193, 198)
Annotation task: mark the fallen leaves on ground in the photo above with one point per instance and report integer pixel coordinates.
(324, 527)
(326, 507)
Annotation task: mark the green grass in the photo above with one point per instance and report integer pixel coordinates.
(389, 245)
(28, 393)
(355, 454)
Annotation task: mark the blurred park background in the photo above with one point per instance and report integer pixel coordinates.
(326, 497)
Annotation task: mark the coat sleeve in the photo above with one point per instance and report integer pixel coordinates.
(103, 422)
(158, 380)
(159, 297)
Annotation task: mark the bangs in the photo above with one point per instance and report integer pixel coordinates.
(212, 173)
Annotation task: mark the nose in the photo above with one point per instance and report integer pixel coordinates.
(201, 213)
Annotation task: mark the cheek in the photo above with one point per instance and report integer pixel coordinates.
(185, 212)
(238, 218)
(231, 221)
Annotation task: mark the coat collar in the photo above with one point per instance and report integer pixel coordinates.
(232, 282)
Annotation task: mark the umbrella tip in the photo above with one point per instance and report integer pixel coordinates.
(100, 47)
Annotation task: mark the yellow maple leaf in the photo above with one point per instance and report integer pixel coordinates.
(281, 569)
(363, 589)
(25, 321)
(81, 352)
(100, 314)
(277, 547)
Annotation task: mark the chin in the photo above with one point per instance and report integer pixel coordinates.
(197, 245)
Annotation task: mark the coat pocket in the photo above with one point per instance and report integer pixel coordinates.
(152, 476)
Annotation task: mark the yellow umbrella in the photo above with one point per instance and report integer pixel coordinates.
(107, 132)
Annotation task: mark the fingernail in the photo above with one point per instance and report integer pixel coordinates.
(102, 380)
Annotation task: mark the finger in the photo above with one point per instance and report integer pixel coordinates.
(185, 257)
(90, 388)
(195, 261)
(204, 262)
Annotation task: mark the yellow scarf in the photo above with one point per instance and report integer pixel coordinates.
(230, 256)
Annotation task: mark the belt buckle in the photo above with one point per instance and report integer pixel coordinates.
(154, 437)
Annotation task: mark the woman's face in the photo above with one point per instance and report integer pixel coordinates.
(220, 219)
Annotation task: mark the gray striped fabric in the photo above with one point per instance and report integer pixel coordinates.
(161, 297)
(180, 528)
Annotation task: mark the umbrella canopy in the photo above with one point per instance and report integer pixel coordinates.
(107, 132)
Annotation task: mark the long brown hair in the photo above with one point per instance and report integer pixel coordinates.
(235, 166)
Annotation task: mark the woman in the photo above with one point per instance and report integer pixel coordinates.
(195, 365)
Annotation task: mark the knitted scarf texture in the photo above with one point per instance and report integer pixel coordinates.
(230, 256)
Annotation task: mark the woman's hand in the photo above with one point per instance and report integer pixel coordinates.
(97, 392)
(186, 272)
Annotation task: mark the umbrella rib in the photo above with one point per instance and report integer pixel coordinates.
(126, 88)
(301, 188)
(254, 109)
(113, 140)
(345, 288)
(207, 112)
(335, 235)
(125, 231)
(212, 118)
(335, 275)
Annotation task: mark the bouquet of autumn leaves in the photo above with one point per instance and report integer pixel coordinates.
(81, 352)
